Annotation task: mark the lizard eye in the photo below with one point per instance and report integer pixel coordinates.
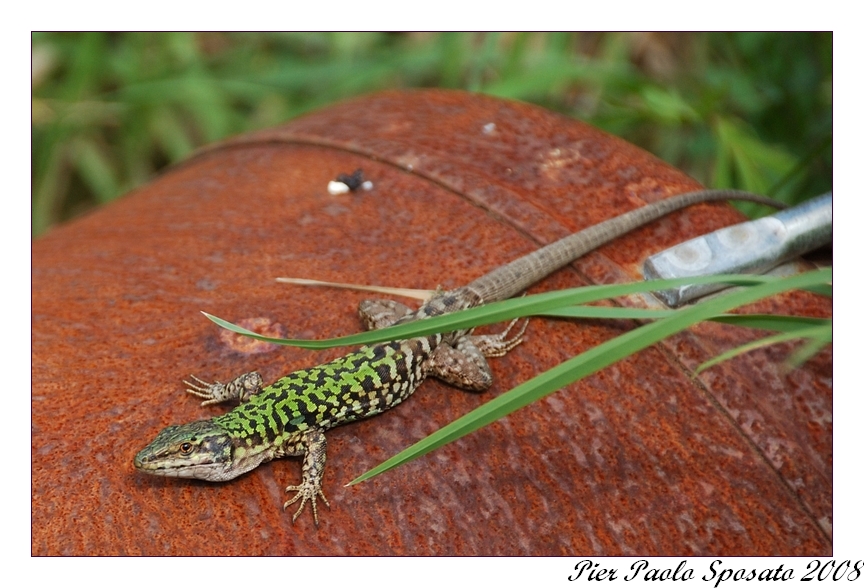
(186, 448)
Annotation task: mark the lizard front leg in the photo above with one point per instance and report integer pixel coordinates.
(315, 446)
(240, 388)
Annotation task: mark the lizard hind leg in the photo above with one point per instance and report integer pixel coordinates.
(377, 314)
(463, 366)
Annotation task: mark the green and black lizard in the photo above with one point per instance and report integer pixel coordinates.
(290, 416)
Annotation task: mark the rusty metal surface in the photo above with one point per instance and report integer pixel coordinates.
(637, 459)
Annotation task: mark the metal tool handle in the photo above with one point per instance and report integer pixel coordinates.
(750, 247)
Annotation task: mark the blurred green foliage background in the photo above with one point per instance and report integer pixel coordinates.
(744, 110)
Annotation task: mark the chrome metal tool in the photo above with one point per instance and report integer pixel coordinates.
(751, 247)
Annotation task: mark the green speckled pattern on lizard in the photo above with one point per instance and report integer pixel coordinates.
(360, 384)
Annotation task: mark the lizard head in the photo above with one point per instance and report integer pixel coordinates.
(201, 450)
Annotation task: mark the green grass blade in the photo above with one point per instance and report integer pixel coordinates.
(810, 348)
(822, 290)
(592, 361)
(606, 312)
(768, 322)
(495, 312)
(764, 342)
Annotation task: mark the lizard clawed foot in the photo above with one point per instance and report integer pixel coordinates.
(241, 388)
(213, 393)
(518, 336)
(305, 492)
(499, 345)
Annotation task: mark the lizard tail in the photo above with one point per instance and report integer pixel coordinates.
(511, 279)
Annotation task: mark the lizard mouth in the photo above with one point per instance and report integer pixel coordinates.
(200, 471)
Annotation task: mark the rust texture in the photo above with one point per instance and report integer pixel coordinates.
(638, 459)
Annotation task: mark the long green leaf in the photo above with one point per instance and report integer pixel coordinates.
(809, 333)
(591, 361)
(810, 348)
(768, 322)
(495, 312)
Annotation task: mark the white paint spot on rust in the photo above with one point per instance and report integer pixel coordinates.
(336, 188)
